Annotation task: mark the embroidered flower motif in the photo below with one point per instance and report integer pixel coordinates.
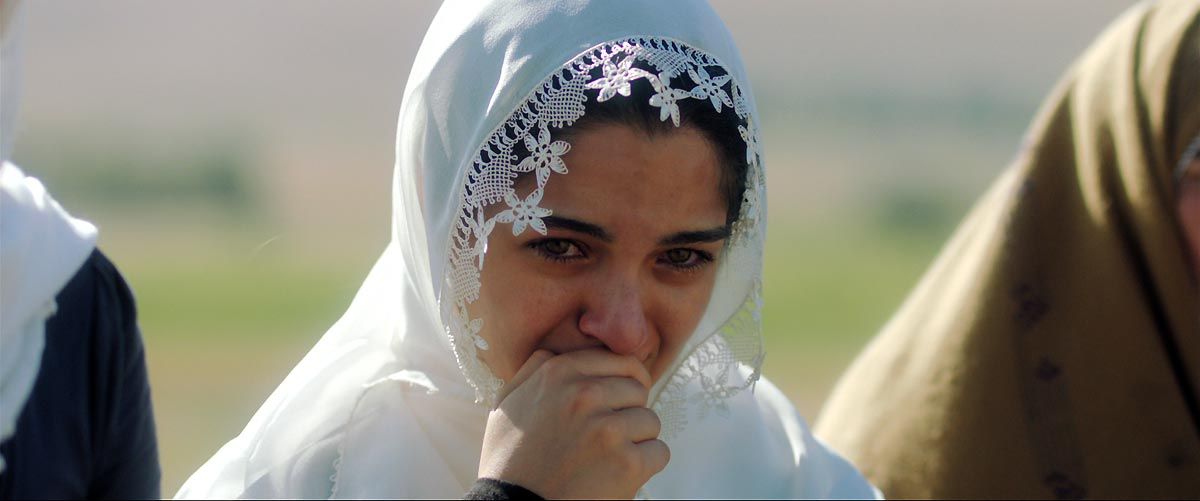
(480, 229)
(544, 153)
(750, 136)
(740, 106)
(750, 203)
(616, 78)
(523, 213)
(667, 99)
(470, 328)
(708, 87)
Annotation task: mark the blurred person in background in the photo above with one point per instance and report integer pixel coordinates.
(1053, 349)
(601, 158)
(75, 415)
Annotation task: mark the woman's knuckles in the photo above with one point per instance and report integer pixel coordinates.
(588, 395)
(632, 466)
(609, 432)
(558, 368)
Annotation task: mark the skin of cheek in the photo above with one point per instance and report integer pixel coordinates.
(684, 308)
(528, 302)
(518, 306)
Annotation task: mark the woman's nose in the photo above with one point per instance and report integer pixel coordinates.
(614, 313)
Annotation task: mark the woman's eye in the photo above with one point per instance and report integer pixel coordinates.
(558, 249)
(680, 256)
(686, 259)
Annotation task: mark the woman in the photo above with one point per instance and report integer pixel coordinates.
(75, 414)
(1053, 349)
(575, 266)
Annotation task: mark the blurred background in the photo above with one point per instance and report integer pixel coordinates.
(237, 157)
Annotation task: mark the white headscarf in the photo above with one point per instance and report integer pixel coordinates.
(41, 248)
(392, 401)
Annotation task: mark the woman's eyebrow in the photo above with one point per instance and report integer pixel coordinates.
(564, 223)
(682, 238)
(697, 237)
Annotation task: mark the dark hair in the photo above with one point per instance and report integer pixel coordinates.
(721, 128)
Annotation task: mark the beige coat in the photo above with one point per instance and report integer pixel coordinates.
(1053, 349)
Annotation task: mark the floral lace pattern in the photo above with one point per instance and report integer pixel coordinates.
(715, 369)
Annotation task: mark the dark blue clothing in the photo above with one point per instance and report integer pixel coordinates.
(491, 489)
(87, 430)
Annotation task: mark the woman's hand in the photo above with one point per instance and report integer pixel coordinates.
(575, 426)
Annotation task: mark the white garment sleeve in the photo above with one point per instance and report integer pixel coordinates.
(820, 472)
(758, 447)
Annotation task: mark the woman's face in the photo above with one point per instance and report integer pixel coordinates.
(629, 259)
(1189, 211)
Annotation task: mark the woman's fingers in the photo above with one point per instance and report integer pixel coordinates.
(640, 424)
(601, 379)
(653, 456)
(527, 370)
(601, 362)
(619, 392)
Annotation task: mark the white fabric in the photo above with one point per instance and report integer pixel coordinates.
(41, 248)
(386, 405)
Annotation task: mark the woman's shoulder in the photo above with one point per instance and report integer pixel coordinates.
(292, 446)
